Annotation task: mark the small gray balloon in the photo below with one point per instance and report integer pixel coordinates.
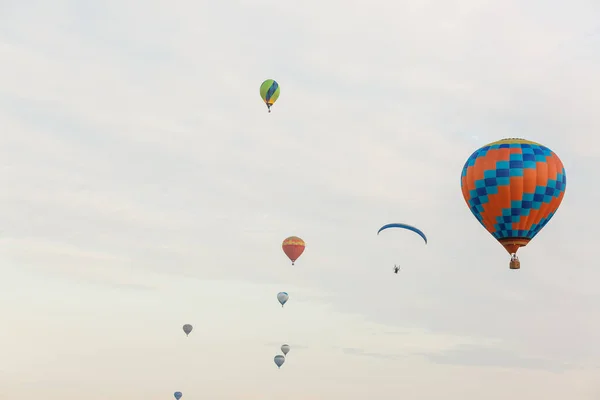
(279, 360)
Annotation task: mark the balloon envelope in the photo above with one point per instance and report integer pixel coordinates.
(187, 328)
(285, 349)
(178, 395)
(269, 92)
(293, 247)
(513, 187)
(282, 297)
(279, 360)
(404, 226)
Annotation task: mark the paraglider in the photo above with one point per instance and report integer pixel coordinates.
(404, 226)
(513, 187)
(293, 247)
(282, 297)
(178, 395)
(279, 360)
(285, 348)
(187, 328)
(269, 92)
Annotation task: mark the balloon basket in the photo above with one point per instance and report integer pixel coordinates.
(515, 264)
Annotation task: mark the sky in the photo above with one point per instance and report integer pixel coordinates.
(146, 187)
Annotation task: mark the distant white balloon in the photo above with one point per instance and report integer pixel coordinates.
(285, 349)
(282, 297)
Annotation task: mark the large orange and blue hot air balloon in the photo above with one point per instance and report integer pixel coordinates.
(513, 187)
(293, 247)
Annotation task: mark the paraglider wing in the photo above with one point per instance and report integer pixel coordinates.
(187, 328)
(285, 349)
(279, 360)
(282, 297)
(178, 395)
(404, 226)
(293, 247)
(513, 187)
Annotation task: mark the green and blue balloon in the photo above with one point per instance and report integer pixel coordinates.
(269, 92)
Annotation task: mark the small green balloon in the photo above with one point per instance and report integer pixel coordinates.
(269, 92)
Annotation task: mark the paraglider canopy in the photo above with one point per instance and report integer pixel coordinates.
(404, 226)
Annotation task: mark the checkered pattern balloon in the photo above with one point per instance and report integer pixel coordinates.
(513, 187)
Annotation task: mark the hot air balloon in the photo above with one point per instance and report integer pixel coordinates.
(282, 297)
(285, 348)
(513, 187)
(269, 91)
(178, 395)
(279, 360)
(404, 226)
(187, 328)
(293, 247)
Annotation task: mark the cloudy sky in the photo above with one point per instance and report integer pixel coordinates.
(145, 186)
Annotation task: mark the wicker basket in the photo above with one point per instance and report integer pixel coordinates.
(515, 264)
